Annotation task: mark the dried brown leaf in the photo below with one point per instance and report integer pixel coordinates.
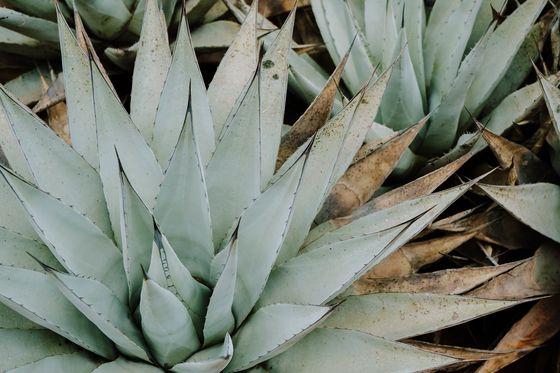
(364, 177)
(313, 118)
(538, 276)
(413, 256)
(450, 281)
(540, 324)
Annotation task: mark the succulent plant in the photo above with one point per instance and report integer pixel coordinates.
(460, 60)
(164, 240)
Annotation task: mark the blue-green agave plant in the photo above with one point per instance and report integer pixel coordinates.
(163, 239)
(454, 61)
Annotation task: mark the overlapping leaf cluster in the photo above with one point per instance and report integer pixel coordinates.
(165, 239)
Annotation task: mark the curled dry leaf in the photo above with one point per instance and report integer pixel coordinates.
(522, 165)
(450, 281)
(411, 257)
(417, 188)
(364, 177)
(540, 324)
(538, 276)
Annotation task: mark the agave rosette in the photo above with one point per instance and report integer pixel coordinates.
(458, 59)
(163, 240)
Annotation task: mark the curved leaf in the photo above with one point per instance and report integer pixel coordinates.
(401, 315)
(96, 302)
(121, 365)
(73, 239)
(77, 362)
(270, 331)
(536, 205)
(333, 350)
(16, 249)
(166, 324)
(34, 296)
(106, 18)
(52, 164)
(210, 360)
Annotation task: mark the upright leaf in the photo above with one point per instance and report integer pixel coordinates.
(150, 69)
(182, 208)
(235, 71)
(170, 117)
(234, 174)
(210, 360)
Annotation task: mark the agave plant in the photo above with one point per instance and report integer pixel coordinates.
(165, 241)
(452, 63)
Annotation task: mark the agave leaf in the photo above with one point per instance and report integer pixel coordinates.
(447, 34)
(115, 131)
(150, 69)
(34, 296)
(363, 119)
(484, 18)
(273, 85)
(552, 99)
(121, 365)
(182, 208)
(105, 18)
(78, 362)
(38, 8)
(28, 87)
(215, 35)
(404, 315)
(235, 71)
(77, 243)
(303, 278)
(15, 250)
(270, 331)
(79, 94)
(414, 20)
(230, 188)
(166, 324)
(426, 208)
(137, 232)
(319, 167)
(37, 28)
(219, 316)
(13, 216)
(52, 164)
(10, 319)
(262, 229)
(180, 282)
(15, 43)
(375, 17)
(20, 347)
(500, 51)
(183, 73)
(512, 109)
(210, 360)
(364, 177)
(442, 130)
(335, 21)
(315, 116)
(351, 351)
(135, 23)
(402, 105)
(100, 305)
(522, 64)
(536, 205)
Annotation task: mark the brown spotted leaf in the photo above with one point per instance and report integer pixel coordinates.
(451, 281)
(364, 177)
